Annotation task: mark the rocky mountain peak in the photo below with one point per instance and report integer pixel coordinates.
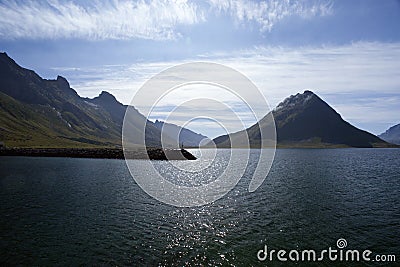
(3, 54)
(296, 100)
(62, 82)
(106, 97)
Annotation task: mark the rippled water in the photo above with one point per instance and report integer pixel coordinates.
(67, 211)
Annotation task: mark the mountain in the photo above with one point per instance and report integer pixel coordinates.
(36, 112)
(184, 137)
(305, 120)
(392, 135)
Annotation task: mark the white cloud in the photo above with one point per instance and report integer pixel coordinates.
(144, 19)
(118, 19)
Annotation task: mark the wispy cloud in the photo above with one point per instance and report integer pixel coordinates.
(119, 19)
(267, 13)
(144, 19)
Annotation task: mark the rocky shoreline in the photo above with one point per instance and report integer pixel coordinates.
(103, 153)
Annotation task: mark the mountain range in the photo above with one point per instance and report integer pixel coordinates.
(35, 112)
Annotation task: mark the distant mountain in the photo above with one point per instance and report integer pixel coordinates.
(305, 120)
(183, 136)
(49, 113)
(392, 135)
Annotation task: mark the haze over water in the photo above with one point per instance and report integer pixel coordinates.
(68, 211)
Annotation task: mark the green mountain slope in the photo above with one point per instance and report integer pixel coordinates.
(36, 112)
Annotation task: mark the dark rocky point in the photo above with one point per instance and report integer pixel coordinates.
(104, 153)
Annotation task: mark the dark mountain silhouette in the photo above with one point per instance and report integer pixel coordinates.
(305, 120)
(38, 112)
(182, 136)
(392, 135)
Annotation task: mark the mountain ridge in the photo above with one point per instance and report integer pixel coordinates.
(37, 112)
(392, 134)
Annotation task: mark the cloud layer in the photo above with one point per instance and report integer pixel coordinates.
(359, 80)
(143, 19)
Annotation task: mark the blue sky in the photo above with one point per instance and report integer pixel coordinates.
(348, 52)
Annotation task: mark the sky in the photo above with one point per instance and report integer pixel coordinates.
(347, 52)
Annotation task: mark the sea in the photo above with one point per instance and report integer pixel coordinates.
(72, 211)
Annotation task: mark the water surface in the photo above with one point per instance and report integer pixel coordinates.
(67, 211)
